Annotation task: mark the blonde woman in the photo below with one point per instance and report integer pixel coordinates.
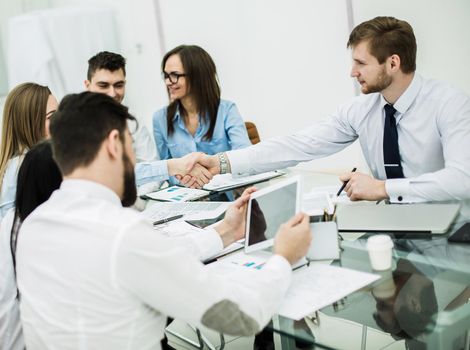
(26, 115)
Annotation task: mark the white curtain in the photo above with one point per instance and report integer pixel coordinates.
(52, 47)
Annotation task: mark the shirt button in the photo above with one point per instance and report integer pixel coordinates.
(400, 198)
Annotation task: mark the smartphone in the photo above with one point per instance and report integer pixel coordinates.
(462, 235)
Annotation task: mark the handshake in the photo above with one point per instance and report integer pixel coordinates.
(195, 169)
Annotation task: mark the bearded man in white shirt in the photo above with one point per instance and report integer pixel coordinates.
(95, 275)
(414, 132)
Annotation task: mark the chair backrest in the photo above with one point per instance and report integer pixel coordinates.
(253, 134)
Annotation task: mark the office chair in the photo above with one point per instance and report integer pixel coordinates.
(253, 134)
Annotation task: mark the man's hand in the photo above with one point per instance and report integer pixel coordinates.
(211, 163)
(293, 238)
(188, 171)
(232, 228)
(361, 186)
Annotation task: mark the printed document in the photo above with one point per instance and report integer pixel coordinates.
(320, 285)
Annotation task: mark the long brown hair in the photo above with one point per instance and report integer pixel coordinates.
(203, 85)
(24, 121)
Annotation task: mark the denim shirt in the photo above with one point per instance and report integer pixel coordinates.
(229, 133)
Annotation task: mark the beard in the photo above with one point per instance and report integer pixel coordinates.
(129, 195)
(382, 82)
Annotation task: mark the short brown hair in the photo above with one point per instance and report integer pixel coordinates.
(81, 124)
(387, 36)
(106, 60)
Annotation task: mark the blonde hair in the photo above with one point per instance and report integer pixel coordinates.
(24, 121)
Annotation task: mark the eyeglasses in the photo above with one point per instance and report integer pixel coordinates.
(173, 76)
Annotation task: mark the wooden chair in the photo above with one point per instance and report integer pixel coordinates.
(253, 134)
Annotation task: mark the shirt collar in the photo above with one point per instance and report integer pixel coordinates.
(407, 98)
(90, 189)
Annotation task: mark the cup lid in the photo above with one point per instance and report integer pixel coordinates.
(379, 241)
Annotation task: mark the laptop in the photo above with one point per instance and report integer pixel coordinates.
(396, 218)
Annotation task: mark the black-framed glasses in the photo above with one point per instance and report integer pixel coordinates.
(173, 76)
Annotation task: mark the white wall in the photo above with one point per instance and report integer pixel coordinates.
(283, 62)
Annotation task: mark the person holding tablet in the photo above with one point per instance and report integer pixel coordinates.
(131, 277)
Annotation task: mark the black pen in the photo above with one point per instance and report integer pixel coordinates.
(171, 218)
(344, 184)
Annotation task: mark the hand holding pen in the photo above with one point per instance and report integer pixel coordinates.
(344, 184)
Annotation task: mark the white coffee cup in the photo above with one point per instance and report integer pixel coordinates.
(380, 252)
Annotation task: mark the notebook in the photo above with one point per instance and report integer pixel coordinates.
(415, 218)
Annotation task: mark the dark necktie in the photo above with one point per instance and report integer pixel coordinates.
(392, 161)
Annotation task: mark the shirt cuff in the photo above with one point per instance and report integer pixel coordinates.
(239, 163)
(398, 191)
(146, 172)
(208, 243)
(282, 265)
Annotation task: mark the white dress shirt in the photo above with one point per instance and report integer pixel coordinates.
(143, 145)
(94, 275)
(433, 123)
(11, 335)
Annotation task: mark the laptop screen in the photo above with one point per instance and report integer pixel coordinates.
(267, 210)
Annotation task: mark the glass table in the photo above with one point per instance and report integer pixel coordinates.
(422, 302)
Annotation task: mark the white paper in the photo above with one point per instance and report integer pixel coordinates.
(320, 285)
(191, 210)
(332, 191)
(316, 203)
(177, 194)
(177, 228)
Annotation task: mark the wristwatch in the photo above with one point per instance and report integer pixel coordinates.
(223, 163)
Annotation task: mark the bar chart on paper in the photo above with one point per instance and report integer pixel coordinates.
(177, 194)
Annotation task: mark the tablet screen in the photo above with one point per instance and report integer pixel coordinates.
(268, 210)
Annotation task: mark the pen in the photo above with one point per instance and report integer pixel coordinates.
(171, 218)
(344, 184)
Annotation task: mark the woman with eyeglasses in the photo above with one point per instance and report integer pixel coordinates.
(26, 115)
(197, 119)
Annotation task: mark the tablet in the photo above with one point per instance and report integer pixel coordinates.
(268, 208)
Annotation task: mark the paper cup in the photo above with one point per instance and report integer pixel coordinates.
(380, 252)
